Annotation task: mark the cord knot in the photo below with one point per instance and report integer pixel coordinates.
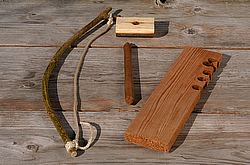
(110, 19)
(71, 148)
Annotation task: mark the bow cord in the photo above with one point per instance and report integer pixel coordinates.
(76, 89)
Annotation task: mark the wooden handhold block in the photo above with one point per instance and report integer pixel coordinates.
(134, 26)
(169, 106)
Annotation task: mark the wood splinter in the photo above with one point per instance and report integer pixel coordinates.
(168, 108)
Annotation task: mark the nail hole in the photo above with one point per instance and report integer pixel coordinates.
(196, 87)
(162, 2)
(135, 23)
(206, 63)
(197, 9)
(190, 31)
(33, 147)
(201, 78)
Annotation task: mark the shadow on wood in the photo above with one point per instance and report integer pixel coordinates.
(83, 142)
(161, 28)
(136, 74)
(198, 109)
(98, 132)
(53, 94)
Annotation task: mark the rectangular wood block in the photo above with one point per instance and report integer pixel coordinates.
(134, 26)
(164, 114)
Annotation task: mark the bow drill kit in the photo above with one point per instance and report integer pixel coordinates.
(165, 112)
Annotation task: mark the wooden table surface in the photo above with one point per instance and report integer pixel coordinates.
(218, 131)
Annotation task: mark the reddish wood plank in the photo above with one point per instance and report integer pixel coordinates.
(168, 108)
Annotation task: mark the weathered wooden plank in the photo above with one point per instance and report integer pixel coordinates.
(101, 84)
(198, 23)
(30, 138)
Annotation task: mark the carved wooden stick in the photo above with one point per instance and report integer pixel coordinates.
(168, 108)
(128, 69)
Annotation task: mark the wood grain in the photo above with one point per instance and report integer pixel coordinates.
(21, 71)
(135, 26)
(30, 138)
(163, 115)
(190, 22)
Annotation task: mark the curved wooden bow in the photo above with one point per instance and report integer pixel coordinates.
(66, 47)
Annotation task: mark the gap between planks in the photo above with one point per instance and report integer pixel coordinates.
(109, 46)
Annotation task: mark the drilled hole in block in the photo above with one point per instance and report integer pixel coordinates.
(135, 23)
(196, 87)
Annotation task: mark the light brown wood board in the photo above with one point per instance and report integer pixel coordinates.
(135, 26)
(169, 106)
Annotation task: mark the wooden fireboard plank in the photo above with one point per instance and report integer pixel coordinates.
(168, 108)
